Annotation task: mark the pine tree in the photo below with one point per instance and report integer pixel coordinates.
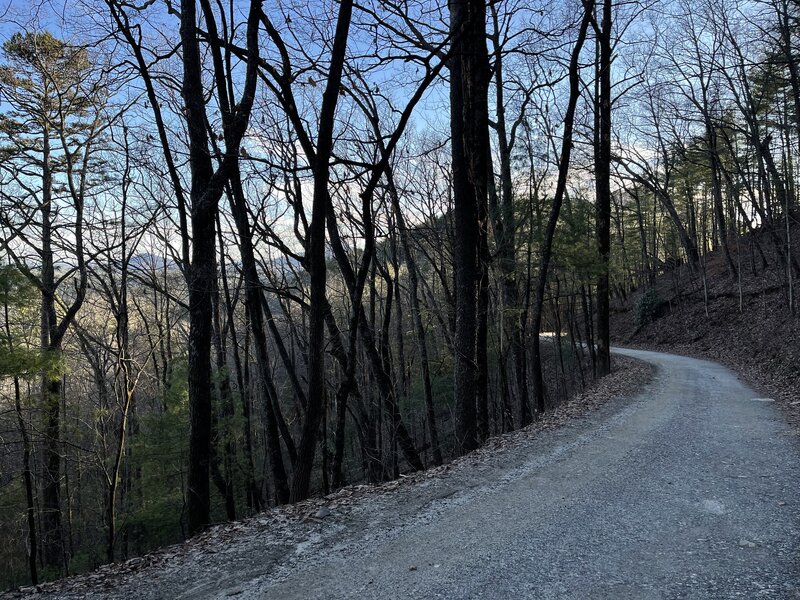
(49, 128)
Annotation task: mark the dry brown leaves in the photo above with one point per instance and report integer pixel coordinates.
(286, 521)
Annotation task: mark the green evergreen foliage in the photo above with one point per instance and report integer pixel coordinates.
(646, 309)
(94, 160)
(49, 77)
(158, 453)
(20, 355)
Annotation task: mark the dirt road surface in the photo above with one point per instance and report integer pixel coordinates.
(687, 490)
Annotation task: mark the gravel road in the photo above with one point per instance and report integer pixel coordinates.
(688, 490)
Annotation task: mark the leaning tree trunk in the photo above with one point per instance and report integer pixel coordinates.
(416, 315)
(254, 306)
(558, 198)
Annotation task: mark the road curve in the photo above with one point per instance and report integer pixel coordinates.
(688, 490)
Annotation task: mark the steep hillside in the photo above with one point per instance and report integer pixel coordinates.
(744, 322)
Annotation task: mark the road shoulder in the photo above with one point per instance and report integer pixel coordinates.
(275, 542)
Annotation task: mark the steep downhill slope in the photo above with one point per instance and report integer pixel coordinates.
(745, 322)
(685, 490)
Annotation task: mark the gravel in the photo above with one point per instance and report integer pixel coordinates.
(686, 490)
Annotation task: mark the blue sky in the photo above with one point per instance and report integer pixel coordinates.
(22, 14)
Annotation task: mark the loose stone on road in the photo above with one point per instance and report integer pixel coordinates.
(688, 490)
(676, 495)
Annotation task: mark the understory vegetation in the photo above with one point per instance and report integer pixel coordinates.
(254, 252)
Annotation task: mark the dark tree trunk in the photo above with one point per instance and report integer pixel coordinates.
(482, 341)
(315, 261)
(586, 307)
(27, 470)
(52, 545)
(201, 278)
(469, 126)
(787, 27)
(27, 476)
(602, 163)
(254, 303)
(252, 496)
(207, 186)
(222, 466)
(416, 315)
(552, 222)
(649, 273)
(504, 226)
(716, 195)
(255, 497)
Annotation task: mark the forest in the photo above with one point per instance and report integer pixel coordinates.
(253, 252)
